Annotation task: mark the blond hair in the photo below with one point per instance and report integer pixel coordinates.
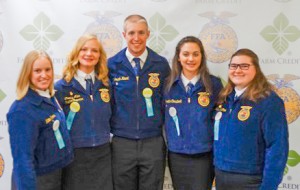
(134, 19)
(24, 80)
(72, 65)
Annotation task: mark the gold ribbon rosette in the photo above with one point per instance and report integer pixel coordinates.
(244, 113)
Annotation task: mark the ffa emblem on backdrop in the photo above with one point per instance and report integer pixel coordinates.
(290, 96)
(106, 32)
(1, 165)
(219, 39)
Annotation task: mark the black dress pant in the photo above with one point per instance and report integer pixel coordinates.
(138, 164)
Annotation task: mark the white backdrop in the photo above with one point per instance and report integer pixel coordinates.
(269, 27)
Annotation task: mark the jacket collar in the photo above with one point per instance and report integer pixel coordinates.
(199, 85)
(151, 58)
(76, 85)
(34, 98)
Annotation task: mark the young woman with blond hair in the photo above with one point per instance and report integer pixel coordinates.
(40, 142)
(84, 94)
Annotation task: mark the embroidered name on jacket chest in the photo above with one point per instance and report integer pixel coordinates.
(73, 98)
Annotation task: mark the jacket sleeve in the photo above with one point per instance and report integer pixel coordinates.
(275, 131)
(23, 133)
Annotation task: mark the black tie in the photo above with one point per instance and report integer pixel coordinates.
(89, 84)
(190, 87)
(137, 66)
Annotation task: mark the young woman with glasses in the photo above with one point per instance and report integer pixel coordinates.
(250, 130)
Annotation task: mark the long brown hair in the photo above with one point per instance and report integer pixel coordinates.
(24, 82)
(177, 67)
(72, 65)
(258, 88)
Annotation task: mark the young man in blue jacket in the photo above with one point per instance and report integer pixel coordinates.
(137, 75)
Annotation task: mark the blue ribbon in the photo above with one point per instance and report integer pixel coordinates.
(59, 139)
(149, 107)
(70, 119)
(175, 119)
(216, 130)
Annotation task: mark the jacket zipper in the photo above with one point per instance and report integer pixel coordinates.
(137, 107)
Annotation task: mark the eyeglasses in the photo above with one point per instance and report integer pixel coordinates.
(243, 66)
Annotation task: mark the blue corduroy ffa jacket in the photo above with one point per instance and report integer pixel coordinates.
(253, 139)
(194, 115)
(90, 126)
(130, 119)
(34, 146)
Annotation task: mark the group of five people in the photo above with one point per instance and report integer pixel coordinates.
(62, 140)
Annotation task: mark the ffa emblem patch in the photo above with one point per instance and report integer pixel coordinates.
(244, 113)
(153, 80)
(104, 95)
(203, 99)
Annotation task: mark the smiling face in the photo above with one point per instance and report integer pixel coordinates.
(242, 78)
(89, 56)
(41, 74)
(136, 35)
(190, 59)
